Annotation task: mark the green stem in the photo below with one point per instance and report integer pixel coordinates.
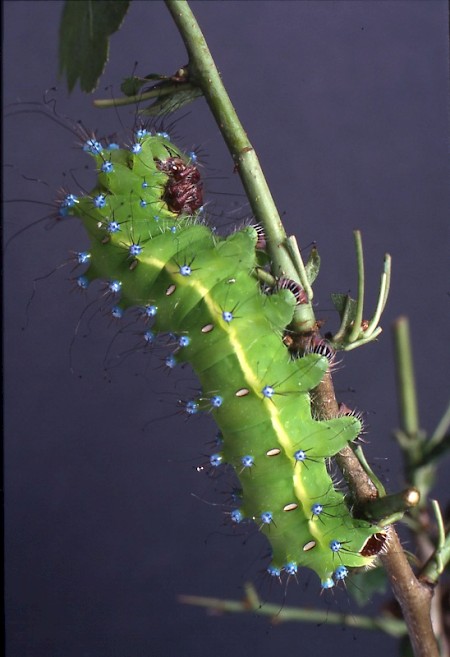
(158, 92)
(339, 336)
(405, 378)
(440, 558)
(203, 73)
(369, 472)
(382, 295)
(419, 470)
(388, 509)
(296, 258)
(356, 330)
(441, 431)
(252, 604)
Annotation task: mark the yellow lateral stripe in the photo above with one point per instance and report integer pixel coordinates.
(250, 377)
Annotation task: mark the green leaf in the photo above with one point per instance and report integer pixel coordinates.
(312, 267)
(346, 307)
(172, 102)
(340, 301)
(131, 86)
(86, 26)
(364, 584)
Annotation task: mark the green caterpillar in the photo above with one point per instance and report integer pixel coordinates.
(151, 246)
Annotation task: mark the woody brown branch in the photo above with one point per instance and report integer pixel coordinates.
(413, 596)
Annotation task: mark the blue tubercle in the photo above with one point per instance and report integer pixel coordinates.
(268, 392)
(335, 545)
(216, 460)
(150, 311)
(83, 257)
(291, 568)
(93, 146)
(191, 407)
(69, 201)
(237, 516)
(135, 249)
(114, 286)
(274, 571)
(149, 337)
(340, 573)
(327, 583)
(247, 461)
(185, 270)
(300, 455)
(216, 401)
(117, 312)
(227, 316)
(171, 361)
(266, 517)
(82, 282)
(107, 167)
(113, 226)
(99, 201)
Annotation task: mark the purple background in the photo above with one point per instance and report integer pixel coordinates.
(345, 102)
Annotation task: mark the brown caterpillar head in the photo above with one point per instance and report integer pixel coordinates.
(183, 192)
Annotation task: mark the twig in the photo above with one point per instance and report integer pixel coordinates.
(252, 604)
(405, 378)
